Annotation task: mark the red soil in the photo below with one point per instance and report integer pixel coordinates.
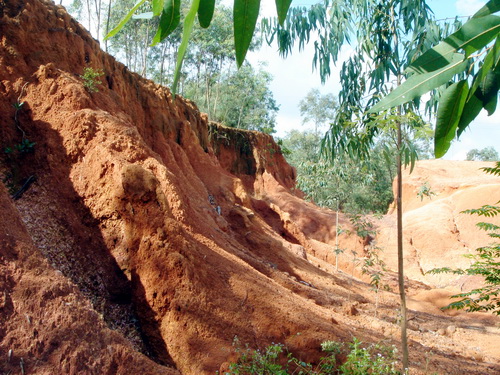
(150, 240)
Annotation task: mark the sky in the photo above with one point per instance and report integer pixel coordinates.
(293, 78)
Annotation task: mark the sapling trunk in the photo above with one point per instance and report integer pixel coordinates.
(401, 281)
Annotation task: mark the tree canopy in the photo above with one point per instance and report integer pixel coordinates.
(467, 65)
(485, 154)
(245, 15)
(318, 109)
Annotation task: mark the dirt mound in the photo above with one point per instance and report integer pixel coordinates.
(436, 233)
(150, 239)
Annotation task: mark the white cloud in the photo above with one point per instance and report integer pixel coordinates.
(468, 7)
(293, 78)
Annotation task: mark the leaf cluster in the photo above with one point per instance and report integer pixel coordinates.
(91, 78)
(471, 55)
(359, 187)
(485, 154)
(375, 359)
(245, 14)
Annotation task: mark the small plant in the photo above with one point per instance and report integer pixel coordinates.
(337, 252)
(91, 79)
(25, 147)
(425, 191)
(373, 359)
(362, 225)
(18, 105)
(257, 361)
(375, 268)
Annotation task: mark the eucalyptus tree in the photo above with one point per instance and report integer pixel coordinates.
(470, 57)
(318, 109)
(246, 100)
(485, 154)
(245, 15)
(132, 46)
(94, 14)
(209, 59)
(386, 36)
(210, 64)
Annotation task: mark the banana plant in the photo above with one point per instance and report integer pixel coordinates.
(245, 15)
(472, 53)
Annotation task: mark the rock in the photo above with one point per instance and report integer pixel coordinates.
(450, 330)
(351, 309)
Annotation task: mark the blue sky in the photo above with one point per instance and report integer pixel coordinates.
(293, 78)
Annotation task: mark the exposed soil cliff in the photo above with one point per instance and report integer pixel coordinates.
(436, 233)
(147, 239)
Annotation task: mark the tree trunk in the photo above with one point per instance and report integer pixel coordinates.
(108, 18)
(399, 206)
(97, 4)
(401, 281)
(88, 12)
(145, 51)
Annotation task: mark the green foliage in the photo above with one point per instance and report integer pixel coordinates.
(471, 56)
(362, 225)
(387, 36)
(374, 267)
(237, 98)
(19, 149)
(486, 263)
(243, 99)
(360, 187)
(425, 191)
(91, 79)
(485, 154)
(245, 14)
(318, 109)
(373, 359)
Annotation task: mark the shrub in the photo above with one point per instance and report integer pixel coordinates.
(373, 359)
(91, 78)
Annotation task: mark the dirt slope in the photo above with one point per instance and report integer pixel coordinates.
(155, 237)
(436, 233)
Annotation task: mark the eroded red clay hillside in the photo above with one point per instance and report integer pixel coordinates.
(149, 239)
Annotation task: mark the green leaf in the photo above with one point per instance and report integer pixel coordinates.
(491, 60)
(282, 7)
(245, 14)
(124, 20)
(472, 36)
(419, 84)
(433, 59)
(491, 7)
(169, 20)
(450, 109)
(157, 7)
(471, 109)
(491, 105)
(186, 33)
(206, 12)
(475, 34)
(489, 90)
